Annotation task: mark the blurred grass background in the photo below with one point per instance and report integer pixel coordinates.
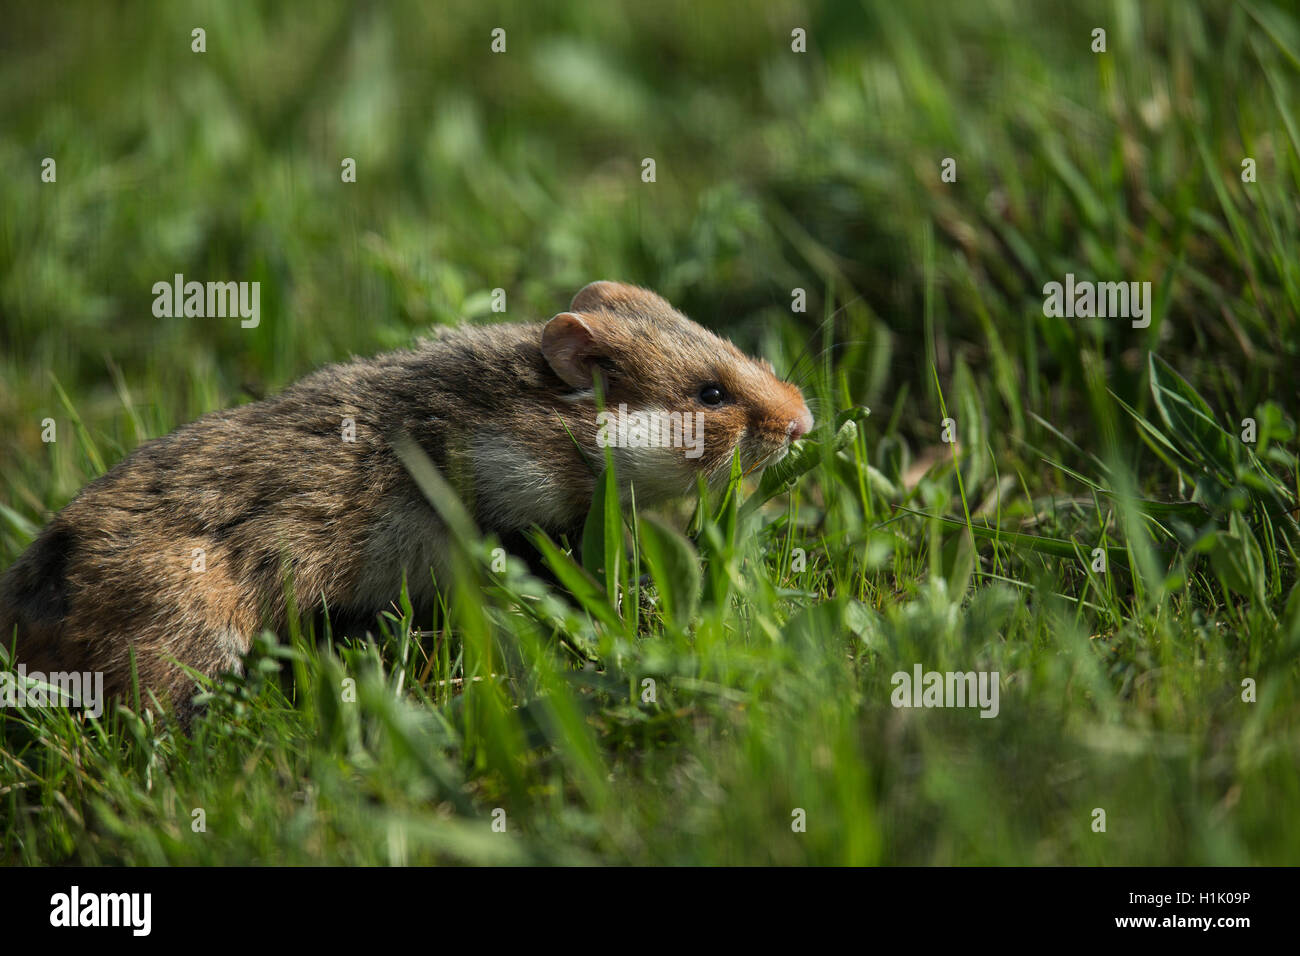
(775, 171)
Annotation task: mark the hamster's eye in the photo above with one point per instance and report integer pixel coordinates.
(711, 394)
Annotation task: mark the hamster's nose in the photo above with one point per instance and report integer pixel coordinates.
(801, 425)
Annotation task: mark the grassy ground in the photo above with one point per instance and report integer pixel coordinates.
(1120, 689)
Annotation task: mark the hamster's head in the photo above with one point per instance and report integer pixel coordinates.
(679, 401)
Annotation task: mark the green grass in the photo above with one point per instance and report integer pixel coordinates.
(1119, 690)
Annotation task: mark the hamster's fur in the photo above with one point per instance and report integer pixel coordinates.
(181, 550)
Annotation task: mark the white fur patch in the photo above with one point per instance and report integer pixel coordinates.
(512, 489)
(658, 473)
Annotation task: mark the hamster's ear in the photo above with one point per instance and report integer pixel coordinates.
(620, 298)
(569, 346)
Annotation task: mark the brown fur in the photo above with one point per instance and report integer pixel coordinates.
(270, 488)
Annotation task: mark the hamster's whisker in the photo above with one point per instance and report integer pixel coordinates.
(816, 331)
(759, 464)
(834, 345)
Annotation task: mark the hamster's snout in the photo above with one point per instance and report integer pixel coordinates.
(801, 424)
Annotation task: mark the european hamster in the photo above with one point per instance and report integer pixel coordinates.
(180, 550)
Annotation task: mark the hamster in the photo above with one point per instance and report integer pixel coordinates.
(180, 551)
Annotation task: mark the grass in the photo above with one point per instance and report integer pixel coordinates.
(1120, 689)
